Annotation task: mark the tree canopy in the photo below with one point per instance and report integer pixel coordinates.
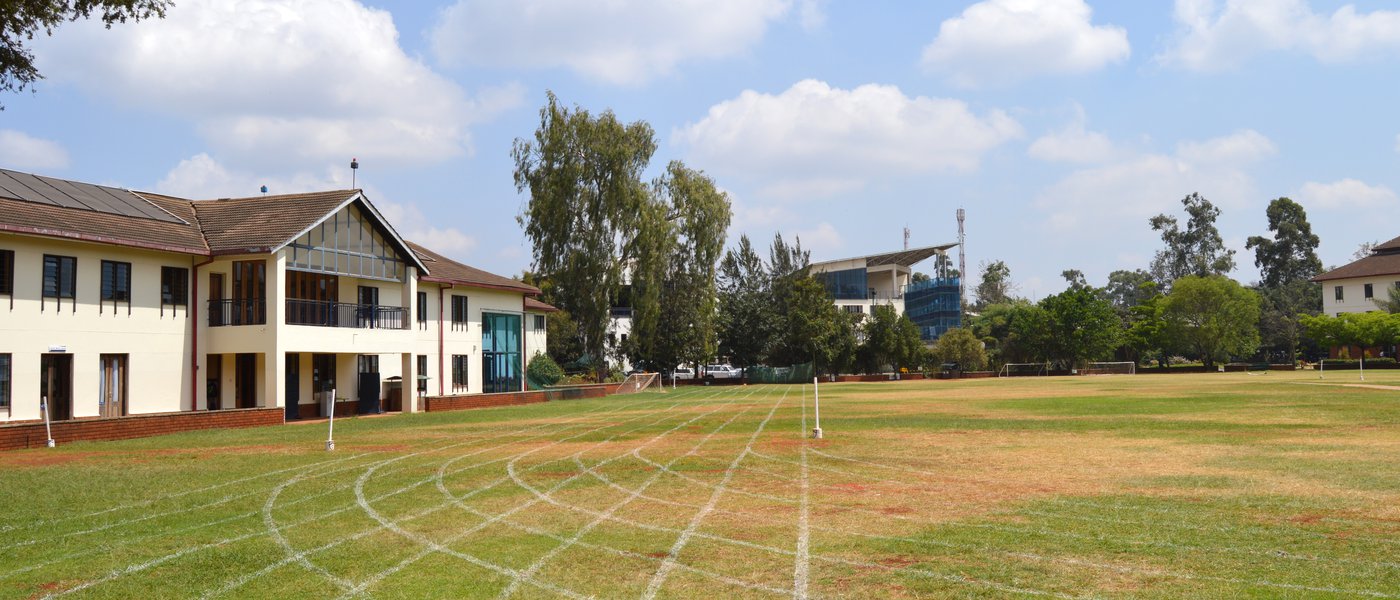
(1196, 250)
(21, 20)
(1212, 318)
(995, 287)
(1291, 255)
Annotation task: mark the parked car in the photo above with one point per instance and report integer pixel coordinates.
(722, 372)
(683, 373)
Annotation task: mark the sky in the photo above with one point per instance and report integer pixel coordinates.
(1061, 126)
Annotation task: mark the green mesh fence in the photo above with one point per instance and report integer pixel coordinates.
(794, 374)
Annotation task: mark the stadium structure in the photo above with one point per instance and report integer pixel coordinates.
(861, 283)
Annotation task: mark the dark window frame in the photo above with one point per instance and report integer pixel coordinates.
(461, 371)
(7, 272)
(116, 285)
(422, 305)
(1337, 292)
(422, 380)
(174, 288)
(1368, 291)
(460, 312)
(6, 376)
(539, 323)
(64, 274)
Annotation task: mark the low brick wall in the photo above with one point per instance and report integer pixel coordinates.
(31, 434)
(464, 402)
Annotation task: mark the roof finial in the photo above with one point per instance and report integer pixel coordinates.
(264, 190)
(354, 166)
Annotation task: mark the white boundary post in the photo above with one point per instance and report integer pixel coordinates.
(817, 410)
(48, 430)
(330, 428)
(1363, 364)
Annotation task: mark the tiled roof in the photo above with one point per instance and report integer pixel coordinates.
(446, 270)
(1375, 265)
(1391, 245)
(261, 223)
(534, 305)
(20, 216)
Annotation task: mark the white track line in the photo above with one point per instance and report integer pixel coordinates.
(433, 546)
(803, 559)
(659, 577)
(553, 552)
(200, 547)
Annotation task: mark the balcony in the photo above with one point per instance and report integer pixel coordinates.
(237, 312)
(317, 313)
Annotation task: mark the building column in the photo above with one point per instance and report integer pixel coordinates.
(276, 307)
(409, 392)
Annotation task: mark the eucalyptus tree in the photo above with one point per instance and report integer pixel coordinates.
(1196, 250)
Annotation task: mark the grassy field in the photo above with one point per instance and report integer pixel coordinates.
(1147, 486)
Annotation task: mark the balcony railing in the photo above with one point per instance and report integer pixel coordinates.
(237, 312)
(343, 314)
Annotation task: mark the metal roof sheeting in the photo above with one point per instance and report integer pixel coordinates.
(81, 196)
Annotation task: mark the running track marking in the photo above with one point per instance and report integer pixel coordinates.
(802, 561)
(664, 571)
(544, 559)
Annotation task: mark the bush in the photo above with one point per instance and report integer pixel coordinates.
(543, 369)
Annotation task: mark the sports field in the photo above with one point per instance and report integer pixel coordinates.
(1145, 486)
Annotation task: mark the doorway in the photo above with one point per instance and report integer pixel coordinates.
(111, 395)
(56, 384)
(293, 398)
(245, 380)
(323, 381)
(368, 391)
(368, 300)
(213, 378)
(218, 311)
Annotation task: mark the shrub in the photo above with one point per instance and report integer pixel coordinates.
(543, 369)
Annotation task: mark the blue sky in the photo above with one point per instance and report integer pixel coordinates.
(1061, 126)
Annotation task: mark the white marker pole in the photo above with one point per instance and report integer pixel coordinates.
(48, 430)
(817, 407)
(330, 430)
(1363, 364)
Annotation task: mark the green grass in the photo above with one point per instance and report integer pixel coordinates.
(1150, 486)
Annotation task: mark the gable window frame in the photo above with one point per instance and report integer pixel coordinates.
(460, 312)
(174, 289)
(58, 280)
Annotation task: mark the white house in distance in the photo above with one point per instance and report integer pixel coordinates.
(1356, 286)
(115, 302)
(859, 284)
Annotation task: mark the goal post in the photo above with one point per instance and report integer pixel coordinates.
(639, 382)
(1111, 368)
(1024, 370)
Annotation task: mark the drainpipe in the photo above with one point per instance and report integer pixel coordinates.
(524, 344)
(441, 384)
(194, 328)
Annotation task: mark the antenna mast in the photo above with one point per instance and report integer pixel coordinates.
(906, 237)
(354, 168)
(962, 262)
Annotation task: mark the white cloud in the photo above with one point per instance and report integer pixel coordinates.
(822, 240)
(813, 139)
(19, 150)
(618, 41)
(1346, 193)
(1004, 41)
(1073, 144)
(273, 83)
(1213, 37)
(1120, 196)
(811, 14)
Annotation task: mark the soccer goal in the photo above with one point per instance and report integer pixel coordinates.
(1111, 368)
(639, 382)
(1024, 370)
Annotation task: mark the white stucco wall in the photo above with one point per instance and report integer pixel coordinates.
(156, 344)
(1354, 294)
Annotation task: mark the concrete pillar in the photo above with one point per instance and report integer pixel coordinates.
(409, 394)
(275, 369)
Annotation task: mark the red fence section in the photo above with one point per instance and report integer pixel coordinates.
(31, 434)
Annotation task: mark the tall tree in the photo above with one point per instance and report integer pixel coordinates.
(1212, 318)
(674, 276)
(1127, 289)
(1292, 253)
(21, 19)
(1197, 250)
(892, 340)
(587, 203)
(746, 313)
(961, 346)
(1082, 326)
(995, 287)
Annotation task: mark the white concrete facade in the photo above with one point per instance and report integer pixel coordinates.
(1353, 293)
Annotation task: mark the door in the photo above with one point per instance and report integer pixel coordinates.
(213, 381)
(322, 380)
(293, 399)
(245, 380)
(368, 300)
(56, 385)
(111, 395)
(368, 390)
(218, 309)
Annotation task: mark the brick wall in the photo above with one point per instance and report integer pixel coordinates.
(440, 403)
(31, 435)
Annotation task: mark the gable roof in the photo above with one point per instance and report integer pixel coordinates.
(1384, 260)
(446, 270)
(263, 223)
(533, 305)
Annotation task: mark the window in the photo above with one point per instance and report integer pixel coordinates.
(854, 308)
(1337, 291)
(539, 323)
(459, 312)
(7, 272)
(174, 287)
(369, 363)
(423, 310)
(1368, 292)
(422, 374)
(116, 281)
(60, 278)
(5, 382)
(459, 371)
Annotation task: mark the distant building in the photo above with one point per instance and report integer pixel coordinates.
(1357, 286)
(859, 284)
